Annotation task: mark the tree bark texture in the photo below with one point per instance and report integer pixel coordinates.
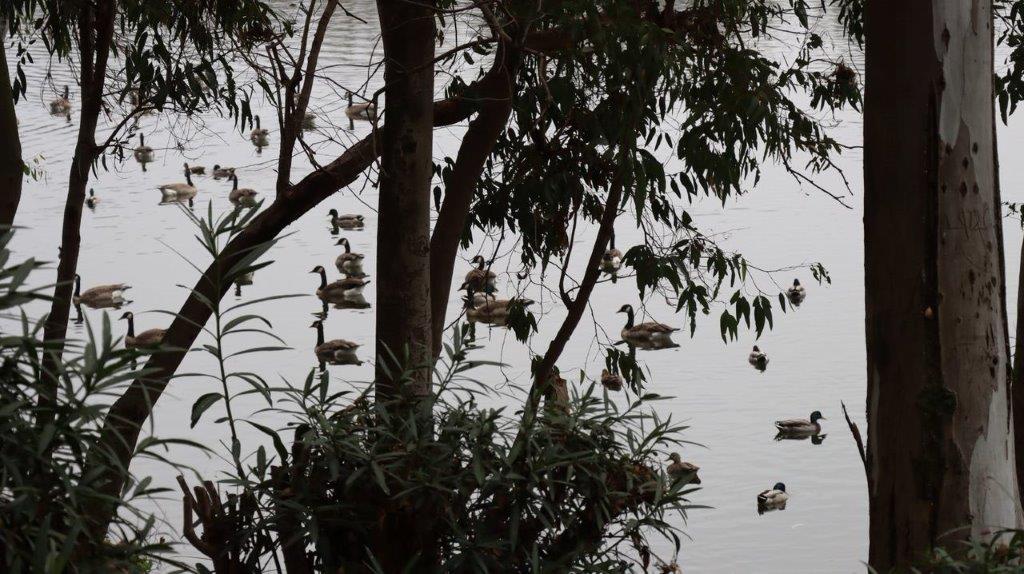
(403, 235)
(11, 163)
(940, 427)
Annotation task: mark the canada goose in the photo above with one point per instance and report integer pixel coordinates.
(758, 359)
(222, 172)
(361, 111)
(491, 311)
(650, 334)
(680, 470)
(178, 191)
(611, 261)
(335, 350)
(197, 170)
(243, 196)
(611, 381)
(345, 220)
(144, 340)
(348, 262)
(92, 200)
(478, 278)
(796, 294)
(259, 134)
(143, 153)
(349, 286)
(800, 427)
(99, 296)
(772, 499)
(62, 105)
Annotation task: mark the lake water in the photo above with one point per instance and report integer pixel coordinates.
(817, 352)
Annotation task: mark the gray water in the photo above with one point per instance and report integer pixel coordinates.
(817, 352)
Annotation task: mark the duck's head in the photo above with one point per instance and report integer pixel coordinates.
(674, 457)
(756, 349)
(779, 486)
(216, 166)
(627, 308)
(127, 315)
(318, 269)
(796, 283)
(333, 213)
(816, 416)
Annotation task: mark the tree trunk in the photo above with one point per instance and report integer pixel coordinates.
(11, 165)
(940, 434)
(403, 236)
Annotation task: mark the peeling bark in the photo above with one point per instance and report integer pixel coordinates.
(940, 437)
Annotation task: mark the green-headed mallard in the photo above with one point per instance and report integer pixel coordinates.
(348, 262)
(179, 191)
(772, 499)
(802, 427)
(99, 296)
(650, 334)
(758, 359)
(345, 220)
(335, 350)
(347, 287)
(147, 339)
(681, 470)
(241, 196)
(796, 294)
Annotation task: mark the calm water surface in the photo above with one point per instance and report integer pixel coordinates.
(817, 353)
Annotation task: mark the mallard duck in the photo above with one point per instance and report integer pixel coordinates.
(345, 220)
(680, 470)
(144, 340)
(242, 196)
(92, 200)
(758, 359)
(772, 499)
(611, 381)
(646, 334)
(178, 191)
(143, 153)
(796, 293)
(347, 287)
(361, 111)
(62, 105)
(611, 261)
(99, 296)
(479, 279)
(348, 262)
(222, 172)
(802, 427)
(335, 350)
(259, 135)
(197, 170)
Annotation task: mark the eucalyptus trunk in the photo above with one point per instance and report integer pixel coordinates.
(11, 163)
(940, 454)
(403, 235)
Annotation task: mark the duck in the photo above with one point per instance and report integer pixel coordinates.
(611, 261)
(143, 153)
(479, 279)
(197, 170)
(361, 111)
(650, 334)
(346, 220)
(335, 350)
(349, 263)
(801, 427)
(222, 172)
(309, 121)
(611, 381)
(347, 287)
(796, 294)
(242, 196)
(99, 296)
(177, 191)
(772, 499)
(680, 470)
(145, 340)
(259, 135)
(758, 359)
(62, 105)
(92, 200)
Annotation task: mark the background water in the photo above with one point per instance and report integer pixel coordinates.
(817, 353)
